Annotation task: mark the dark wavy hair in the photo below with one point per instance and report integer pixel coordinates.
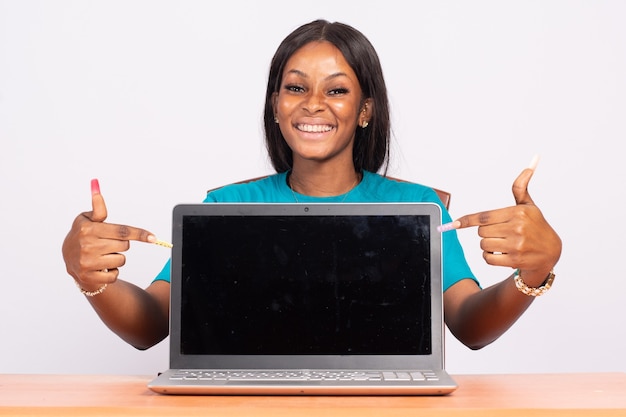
(371, 147)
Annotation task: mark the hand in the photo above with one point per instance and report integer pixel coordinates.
(516, 236)
(91, 249)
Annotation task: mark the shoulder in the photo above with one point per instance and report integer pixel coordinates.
(263, 189)
(393, 189)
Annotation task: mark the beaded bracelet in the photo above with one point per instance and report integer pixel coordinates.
(533, 291)
(92, 293)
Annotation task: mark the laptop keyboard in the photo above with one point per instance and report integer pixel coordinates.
(321, 375)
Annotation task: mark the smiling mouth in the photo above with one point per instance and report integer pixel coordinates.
(314, 128)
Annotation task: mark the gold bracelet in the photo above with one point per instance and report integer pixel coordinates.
(533, 291)
(91, 293)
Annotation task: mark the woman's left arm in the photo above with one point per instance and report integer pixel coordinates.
(518, 237)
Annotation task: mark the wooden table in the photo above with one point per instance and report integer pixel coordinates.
(478, 395)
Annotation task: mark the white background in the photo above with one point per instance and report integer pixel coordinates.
(163, 100)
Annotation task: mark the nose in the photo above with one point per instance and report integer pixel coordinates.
(314, 101)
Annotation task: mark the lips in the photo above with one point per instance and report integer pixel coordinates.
(314, 128)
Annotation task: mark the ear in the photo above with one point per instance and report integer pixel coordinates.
(366, 112)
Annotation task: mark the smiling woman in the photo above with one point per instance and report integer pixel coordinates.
(327, 130)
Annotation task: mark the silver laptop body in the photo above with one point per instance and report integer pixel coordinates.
(306, 299)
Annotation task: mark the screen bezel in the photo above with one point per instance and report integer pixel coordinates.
(432, 210)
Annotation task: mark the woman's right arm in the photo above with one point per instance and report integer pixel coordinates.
(92, 254)
(140, 317)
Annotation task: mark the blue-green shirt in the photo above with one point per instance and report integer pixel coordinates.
(373, 188)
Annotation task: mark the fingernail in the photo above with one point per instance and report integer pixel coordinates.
(95, 187)
(152, 239)
(164, 244)
(534, 162)
(446, 227)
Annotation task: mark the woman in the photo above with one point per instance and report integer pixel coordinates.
(327, 132)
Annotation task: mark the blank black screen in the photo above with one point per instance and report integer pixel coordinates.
(306, 285)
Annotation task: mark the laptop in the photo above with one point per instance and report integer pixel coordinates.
(306, 299)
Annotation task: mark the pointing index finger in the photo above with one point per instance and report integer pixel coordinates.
(124, 232)
(477, 219)
(482, 218)
(469, 220)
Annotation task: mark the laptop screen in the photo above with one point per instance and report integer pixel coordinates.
(305, 285)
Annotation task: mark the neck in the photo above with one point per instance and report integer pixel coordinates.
(323, 184)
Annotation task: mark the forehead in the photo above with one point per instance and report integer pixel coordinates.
(319, 56)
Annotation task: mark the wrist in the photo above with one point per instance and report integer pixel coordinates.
(91, 290)
(533, 291)
(534, 277)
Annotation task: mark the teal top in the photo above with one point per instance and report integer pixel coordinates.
(373, 188)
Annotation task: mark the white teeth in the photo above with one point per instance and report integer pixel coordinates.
(315, 128)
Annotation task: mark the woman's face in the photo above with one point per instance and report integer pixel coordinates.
(319, 104)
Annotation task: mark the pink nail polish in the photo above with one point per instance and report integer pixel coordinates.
(446, 227)
(95, 187)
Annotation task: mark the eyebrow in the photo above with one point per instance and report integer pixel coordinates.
(330, 77)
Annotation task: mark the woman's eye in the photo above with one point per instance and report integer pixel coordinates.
(337, 91)
(294, 88)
